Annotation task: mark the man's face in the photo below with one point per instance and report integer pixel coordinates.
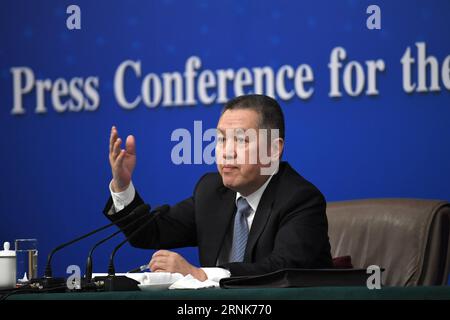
(236, 153)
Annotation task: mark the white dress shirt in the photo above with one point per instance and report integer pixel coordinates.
(124, 198)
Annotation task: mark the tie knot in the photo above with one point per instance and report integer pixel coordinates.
(243, 206)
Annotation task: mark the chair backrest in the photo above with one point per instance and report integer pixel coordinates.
(408, 237)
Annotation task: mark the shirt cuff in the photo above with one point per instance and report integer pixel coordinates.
(124, 198)
(215, 274)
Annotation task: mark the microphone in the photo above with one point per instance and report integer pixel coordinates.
(48, 281)
(123, 283)
(140, 212)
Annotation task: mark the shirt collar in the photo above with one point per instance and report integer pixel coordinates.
(254, 198)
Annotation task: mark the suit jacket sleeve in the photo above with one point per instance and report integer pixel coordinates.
(178, 225)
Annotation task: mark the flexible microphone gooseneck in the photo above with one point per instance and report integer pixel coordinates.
(156, 212)
(48, 280)
(140, 212)
(123, 283)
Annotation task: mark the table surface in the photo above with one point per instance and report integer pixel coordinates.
(315, 293)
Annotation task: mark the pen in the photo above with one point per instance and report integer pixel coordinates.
(139, 269)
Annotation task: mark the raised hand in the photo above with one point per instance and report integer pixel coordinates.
(122, 161)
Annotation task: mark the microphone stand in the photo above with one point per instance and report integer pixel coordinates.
(48, 281)
(123, 283)
(89, 264)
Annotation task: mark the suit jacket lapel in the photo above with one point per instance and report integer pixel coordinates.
(262, 214)
(220, 222)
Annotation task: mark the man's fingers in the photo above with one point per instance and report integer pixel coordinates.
(160, 261)
(112, 138)
(119, 159)
(116, 149)
(130, 145)
(157, 263)
(154, 261)
(161, 253)
(156, 268)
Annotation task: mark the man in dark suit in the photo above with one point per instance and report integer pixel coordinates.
(252, 217)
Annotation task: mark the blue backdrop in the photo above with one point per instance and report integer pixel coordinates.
(54, 165)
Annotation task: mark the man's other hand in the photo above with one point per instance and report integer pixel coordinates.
(168, 261)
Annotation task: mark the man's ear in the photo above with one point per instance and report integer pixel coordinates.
(277, 148)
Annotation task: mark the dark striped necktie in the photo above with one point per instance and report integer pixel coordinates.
(240, 231)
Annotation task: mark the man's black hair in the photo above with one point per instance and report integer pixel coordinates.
(271, 115)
